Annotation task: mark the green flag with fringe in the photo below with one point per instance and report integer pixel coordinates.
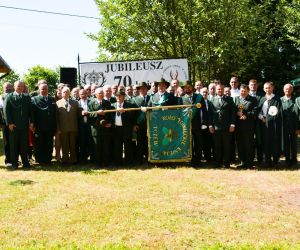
(169, 135)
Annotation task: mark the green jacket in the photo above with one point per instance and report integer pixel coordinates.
(17, 110)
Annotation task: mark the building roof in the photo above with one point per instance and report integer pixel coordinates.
(4, 67)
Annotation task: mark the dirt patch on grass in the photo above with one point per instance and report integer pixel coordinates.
(291, 197)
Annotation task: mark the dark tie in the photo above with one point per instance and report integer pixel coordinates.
(145, 101)
(118, 113)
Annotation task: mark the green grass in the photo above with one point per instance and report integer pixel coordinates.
(153, 208)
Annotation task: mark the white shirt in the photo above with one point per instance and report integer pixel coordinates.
(118, 118)
(234, 92)
(83, 104)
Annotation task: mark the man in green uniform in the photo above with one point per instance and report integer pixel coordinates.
(17, 113)
(199, 120)
(124, 123)
(44, 122)
(221, 125)
(101, 128)
(290, 125)
(270, 114)
(142, 141)
(246, 107)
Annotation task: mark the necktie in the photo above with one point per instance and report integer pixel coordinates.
(145, 101)
(118, 113)
(45, 98)
(220, 101)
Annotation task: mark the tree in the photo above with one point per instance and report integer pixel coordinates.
(247, 38)
(39, 72)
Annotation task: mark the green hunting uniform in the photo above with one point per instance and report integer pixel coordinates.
(142, 139)
(245, 128)
(221, 117)
(102, 136)
(290, 126)
(17, 111)
(44, 121)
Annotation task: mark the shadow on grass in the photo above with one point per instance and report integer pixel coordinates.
(21, 182)
(92, 169)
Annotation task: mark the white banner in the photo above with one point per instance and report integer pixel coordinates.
(132, 72)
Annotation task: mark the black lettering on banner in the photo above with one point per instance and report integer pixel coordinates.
(138, 66)
(152, 65)
(159, 65)
(145, 64)
(127, 81)
(120, 67)
(119, 78)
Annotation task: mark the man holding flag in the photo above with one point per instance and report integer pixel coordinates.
(199, 120)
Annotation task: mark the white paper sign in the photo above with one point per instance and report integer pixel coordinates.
(132, 72)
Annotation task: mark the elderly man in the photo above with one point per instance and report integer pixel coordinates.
(17, 113)
(270, 114)
(67, 113)
(108, 94)
(199, 121)
(85, 141)
(162, 97)
(43, 118)
(129, 93)
(211, 91)
(142, 141)
(101, 128)
(290, 125)
(7, 88)
(124, 123)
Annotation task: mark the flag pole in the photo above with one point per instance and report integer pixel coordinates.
(197, 105)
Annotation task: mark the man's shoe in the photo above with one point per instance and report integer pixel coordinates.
(27, 166)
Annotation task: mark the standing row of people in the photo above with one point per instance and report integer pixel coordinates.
(91, 123)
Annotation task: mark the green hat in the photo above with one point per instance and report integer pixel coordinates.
(142, 84)
(120, 92)
(162, 80)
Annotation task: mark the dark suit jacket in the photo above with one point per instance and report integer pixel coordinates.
(271, 120)
(17, 110)
(200, 115)
(139, 101)
(290, 118)
(98, 121)
(222, 115)
(248, 106)
(128, 118)
(44, 113)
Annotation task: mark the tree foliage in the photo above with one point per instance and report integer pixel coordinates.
(11, 77)
(248, 38)
(39, 72)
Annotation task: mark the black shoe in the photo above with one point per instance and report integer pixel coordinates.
(226, 165)
(13, 167)
(27, 166)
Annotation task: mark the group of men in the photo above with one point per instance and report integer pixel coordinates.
(94, 124)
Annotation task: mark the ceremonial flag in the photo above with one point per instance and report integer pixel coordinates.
(169, 135)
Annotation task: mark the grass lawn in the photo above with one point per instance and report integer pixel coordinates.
(151, 208)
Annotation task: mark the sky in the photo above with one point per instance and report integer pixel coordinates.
(28, 39)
